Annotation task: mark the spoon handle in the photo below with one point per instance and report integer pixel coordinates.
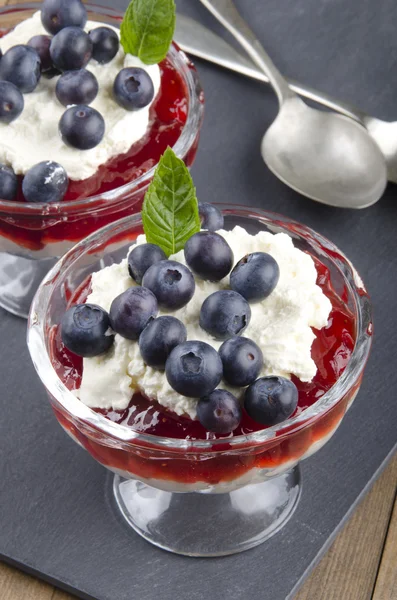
(197, 40)
(226, 13)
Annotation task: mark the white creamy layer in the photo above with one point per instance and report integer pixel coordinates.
(280, 325)
(34, 136)
(51, 250)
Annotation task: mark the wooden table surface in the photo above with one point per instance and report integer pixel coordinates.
(360, 565)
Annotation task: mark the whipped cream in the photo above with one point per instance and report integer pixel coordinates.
(281, 325)
(34, 136)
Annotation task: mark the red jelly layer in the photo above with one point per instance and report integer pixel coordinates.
(331, 352)
(168, 115)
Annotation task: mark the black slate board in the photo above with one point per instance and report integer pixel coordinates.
(55, 515)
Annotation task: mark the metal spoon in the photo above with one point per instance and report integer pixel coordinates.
(322, 155)
(196, 39)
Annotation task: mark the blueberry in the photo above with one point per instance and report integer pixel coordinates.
(159, 338)
(194, 369)
(133, 88)
(85, 330)
(76, 87)
(82, 127)
(8, 183)
(45, 182)
(57, 14)
(11, 102)
(21, 65)
(131, 311)
(106, 44)
(141, 258)
(225, 314)
(71, 49)
(242, 361)
(41, 43)
(211, 218)
(219, 412)
(271, 400)
(209, 255)
(171, 282)
(255, 276)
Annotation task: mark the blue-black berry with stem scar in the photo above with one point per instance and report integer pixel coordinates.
(225, 314)
(219, 412)
(194, 369)
(271, 400)
(85, 330)
(131, 311)
(159, 338)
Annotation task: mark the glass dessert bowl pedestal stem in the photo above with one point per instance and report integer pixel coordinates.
(204, 497)
(209, 524)
(34, 235)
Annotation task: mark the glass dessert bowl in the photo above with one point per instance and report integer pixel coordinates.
(174, 483)
(34, 235)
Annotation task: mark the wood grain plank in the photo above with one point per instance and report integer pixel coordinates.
(58, 595)
(15, 585)
(386, 582)
(349, 569)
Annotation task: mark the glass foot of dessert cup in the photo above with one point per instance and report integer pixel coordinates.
(209, 524)
(246, 471)
(44, 232)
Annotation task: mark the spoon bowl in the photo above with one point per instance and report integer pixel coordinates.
(196, 39)
(325, 156)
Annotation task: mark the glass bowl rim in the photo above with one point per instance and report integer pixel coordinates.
(182, 146)
(121, 433)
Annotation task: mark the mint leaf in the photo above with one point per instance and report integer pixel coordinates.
(170, 210)
(147, 29)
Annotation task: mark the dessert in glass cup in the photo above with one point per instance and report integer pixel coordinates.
(59, 183)
(200, 356)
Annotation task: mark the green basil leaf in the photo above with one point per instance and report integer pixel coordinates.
(147, 29)
(170, 210)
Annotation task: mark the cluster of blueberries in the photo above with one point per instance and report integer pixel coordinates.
(193, 368)
(65, 54)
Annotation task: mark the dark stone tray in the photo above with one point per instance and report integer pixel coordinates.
(56, 520)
